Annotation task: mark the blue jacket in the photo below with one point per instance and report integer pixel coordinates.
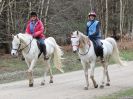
(93, 29)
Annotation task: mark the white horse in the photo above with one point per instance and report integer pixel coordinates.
(85, 49)
(28, 45)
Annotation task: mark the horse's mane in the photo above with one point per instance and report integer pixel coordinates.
(83, 39)
(24, 37)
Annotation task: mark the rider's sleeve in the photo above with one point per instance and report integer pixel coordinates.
(27, 28)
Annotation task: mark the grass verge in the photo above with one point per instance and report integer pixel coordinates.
(126, 94)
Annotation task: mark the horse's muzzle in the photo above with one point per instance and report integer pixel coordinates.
(14, 53)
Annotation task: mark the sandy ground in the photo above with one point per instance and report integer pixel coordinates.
(70, 85)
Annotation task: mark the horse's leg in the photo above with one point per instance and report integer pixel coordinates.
(27, 62)
(104, 74)
(107, 74)
(86, 75)
(92, 65)
(108, 78)
(30, 73)
(30, 76)
(51, 75)
(45, 73)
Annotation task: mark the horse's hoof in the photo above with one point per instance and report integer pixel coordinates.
(51, 81)
(96, 86)
(102, 86)
(31, 85)
(108, 84)
(42, 83)
(85, 88)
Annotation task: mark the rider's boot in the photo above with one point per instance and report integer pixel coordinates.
(44, 52)
(101, 54)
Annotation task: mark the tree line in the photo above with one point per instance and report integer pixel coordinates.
(60, 17)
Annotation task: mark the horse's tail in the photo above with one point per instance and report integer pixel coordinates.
(57, 55)
(115, 53)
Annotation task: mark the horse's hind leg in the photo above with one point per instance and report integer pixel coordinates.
(105, 73)
(108, 78)
(46, 69)
(51, 76)
(45, 74)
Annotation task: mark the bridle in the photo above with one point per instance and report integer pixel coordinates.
(19, 50)
(75, 45)
(83, 54)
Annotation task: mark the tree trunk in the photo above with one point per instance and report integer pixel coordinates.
(2, 5)
(45, 19)
(106, 27)
(7, 45)
(41, 9)
(11, 15)
(121, 19)
(29, 8)
(91, 5)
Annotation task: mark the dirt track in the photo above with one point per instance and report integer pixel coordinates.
(70, 85)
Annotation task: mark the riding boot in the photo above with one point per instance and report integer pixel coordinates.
(101, 55)
(44, 52)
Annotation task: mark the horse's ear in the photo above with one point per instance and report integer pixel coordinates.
(17, 36)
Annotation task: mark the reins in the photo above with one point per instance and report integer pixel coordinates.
(27, 46)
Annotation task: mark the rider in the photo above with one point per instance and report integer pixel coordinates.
(94, 33)
(35, 28)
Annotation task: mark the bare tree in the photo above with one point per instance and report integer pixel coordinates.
(2, 5)
(45, 17)
(106, 27)
(42, 4)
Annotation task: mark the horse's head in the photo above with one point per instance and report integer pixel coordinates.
(75, 40)
(16, 43)
(19, 41)
(78, 40)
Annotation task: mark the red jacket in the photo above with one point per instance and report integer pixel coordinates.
(38, 30)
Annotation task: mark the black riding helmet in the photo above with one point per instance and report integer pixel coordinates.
(33, 14)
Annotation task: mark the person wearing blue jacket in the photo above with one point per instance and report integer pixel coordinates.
(94, 33)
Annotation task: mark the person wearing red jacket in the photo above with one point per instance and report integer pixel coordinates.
(35, 28)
